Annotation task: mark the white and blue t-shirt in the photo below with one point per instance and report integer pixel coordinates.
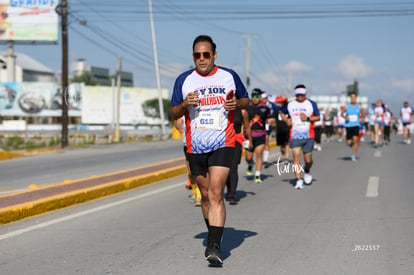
(301, 129)
(406, 114)
(208, 125)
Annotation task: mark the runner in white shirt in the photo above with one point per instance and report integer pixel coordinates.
(406, 113)
(379, 122)
(341, 124)
(303, 113)
(387, 125)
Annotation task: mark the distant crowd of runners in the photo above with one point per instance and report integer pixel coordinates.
(269, 116)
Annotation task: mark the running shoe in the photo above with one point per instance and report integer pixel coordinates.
(307, 178)
(249, 171)
(408, 141)
(353, 158)
(257, 179)
(299, 184)
(197, 203)
(232, 201)
(213, 253)
(193, 197)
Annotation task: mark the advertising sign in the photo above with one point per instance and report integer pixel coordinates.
(38, 99)
(28, 20)
(98, 104)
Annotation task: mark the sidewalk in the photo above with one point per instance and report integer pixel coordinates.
(22, 205)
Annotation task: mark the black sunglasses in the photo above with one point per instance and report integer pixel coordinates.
(206, 55)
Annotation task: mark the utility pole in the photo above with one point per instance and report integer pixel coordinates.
(157, 71)
(249, 46)
(118, 100)
(65, 97)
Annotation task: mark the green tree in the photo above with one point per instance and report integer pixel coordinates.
(85, 77)
(151, 108)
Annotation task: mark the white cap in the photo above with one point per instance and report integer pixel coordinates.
(300, 91)
(264, 95)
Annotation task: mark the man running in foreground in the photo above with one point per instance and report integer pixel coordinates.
(207, 96)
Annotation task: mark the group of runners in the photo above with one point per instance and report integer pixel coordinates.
(255, 124)
(217, 118)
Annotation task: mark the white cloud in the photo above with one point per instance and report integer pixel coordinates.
(272, 78)
(353, 67)
(403, 84)
(297, 67)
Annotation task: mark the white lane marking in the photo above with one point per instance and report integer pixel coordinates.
(372, 188)
(377, 154)
(13, 191)
(86, 212)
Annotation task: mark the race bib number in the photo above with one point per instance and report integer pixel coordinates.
(353, 118)
(208, 121)
(299, 124)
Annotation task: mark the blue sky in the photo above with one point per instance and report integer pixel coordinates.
(325, 52)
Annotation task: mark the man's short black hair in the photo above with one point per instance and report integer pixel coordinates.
(257, 91)
(205, 38)
(300, 86)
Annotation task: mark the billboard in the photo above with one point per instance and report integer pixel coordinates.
(28, 20)
(38, 99)
(94, 104)
(98, 104)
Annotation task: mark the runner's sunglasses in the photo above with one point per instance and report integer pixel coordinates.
(206, 55)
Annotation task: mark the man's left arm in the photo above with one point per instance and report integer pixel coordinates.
(233, 103)
(241, 97)
(316, 116)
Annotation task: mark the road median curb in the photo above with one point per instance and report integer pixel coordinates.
(47, 204)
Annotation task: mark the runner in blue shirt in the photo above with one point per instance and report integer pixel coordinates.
(352, 115)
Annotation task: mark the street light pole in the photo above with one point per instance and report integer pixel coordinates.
(65, 97)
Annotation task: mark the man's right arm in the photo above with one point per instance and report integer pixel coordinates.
(178, 110)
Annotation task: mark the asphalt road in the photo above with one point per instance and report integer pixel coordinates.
(71, 164)
(356, 218)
